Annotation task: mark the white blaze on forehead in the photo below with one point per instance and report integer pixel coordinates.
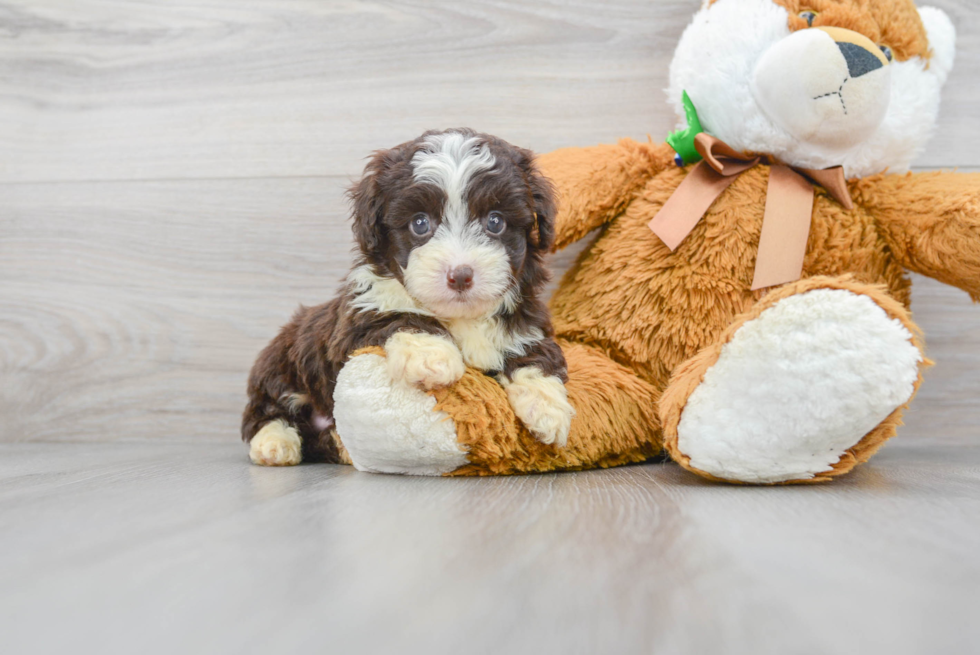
(449, 161)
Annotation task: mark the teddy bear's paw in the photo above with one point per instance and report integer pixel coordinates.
(541, 402)
(390, 427)
(276, 444)
(798, 386)
(425, 360)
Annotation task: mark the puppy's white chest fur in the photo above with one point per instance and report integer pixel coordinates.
(485, 342)
(482, 342)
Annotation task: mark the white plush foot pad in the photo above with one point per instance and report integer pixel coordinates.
(798, 386)
(392, 427)
(276, 444)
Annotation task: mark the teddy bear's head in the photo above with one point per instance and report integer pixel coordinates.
(817, 83)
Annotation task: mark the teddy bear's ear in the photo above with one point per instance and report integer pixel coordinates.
(942, 41)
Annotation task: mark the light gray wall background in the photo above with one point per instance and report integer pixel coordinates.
(172, 178)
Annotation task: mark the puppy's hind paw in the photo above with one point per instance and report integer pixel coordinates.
(425, 360)
(541, 402)
(276, 444)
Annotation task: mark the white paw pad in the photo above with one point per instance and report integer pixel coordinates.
(389, 427)
(276, 444)
(541, 402)
(425, 360)
(798, 386)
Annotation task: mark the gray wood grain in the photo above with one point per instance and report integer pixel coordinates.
(162, 548)
(104, 89)
(134, 310)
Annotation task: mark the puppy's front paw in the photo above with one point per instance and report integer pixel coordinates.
(423, 359)
(541, 402)
(276, 444)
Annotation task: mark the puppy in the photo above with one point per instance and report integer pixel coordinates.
(451, 231)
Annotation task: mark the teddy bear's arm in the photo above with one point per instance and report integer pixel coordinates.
(931, 222)
(596, 184)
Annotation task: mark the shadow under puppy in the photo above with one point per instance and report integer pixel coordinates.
(451, 232)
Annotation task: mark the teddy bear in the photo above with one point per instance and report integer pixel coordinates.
(744, 306)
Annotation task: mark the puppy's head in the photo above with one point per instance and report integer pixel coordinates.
(460, 219)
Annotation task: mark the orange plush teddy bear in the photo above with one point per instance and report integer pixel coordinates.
(743, 306)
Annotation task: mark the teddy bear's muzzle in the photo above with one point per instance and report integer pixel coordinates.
(825, 86)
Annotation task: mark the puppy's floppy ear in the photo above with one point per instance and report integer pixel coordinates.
(544, 202)
(368, 204)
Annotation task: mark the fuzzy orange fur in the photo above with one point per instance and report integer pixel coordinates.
(653, 310)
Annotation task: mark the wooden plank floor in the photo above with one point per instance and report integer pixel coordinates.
(171, 548)
(171, 187)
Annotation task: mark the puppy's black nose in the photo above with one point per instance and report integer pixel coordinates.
(460, 278)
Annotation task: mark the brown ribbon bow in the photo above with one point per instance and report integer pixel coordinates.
(789, 205)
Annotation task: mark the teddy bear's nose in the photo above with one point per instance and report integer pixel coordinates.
(860, 52)
(859, 60)
(827, 86)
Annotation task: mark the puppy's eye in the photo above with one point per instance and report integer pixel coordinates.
(808, 16)
(420, 225)
(495, 223)
(888, 52)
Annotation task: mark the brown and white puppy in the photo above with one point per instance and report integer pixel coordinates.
(451, 231)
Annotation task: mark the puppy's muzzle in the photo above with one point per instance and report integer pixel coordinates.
(460, 278)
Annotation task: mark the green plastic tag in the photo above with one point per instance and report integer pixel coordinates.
(682, 141)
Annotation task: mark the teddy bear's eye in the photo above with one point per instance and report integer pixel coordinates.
(888, 52)
(808, 16)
